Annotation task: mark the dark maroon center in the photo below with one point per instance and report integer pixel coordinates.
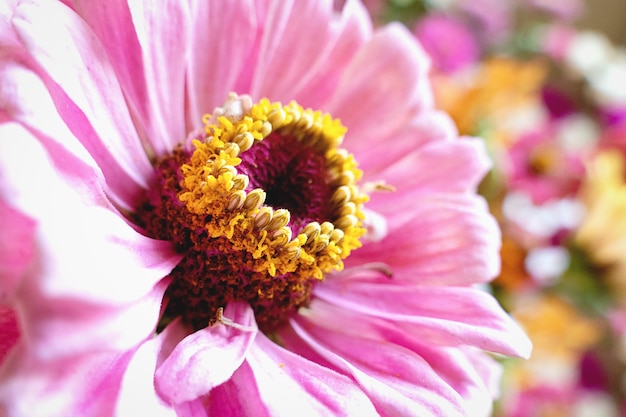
(293, 177)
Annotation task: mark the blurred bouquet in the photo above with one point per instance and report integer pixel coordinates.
(549, 99)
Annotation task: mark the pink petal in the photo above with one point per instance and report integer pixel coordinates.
(79, 232)
(382, 153)
(487, 368)
(85, 91)
(138, 395)
(398, 382)
(76, 297)
(85, 385)
(489, 372)
(471, 373)
(61, 327)
(222, 40)
(437, 240)
(275, 382)
(283, 58)
(208, 357)
(25, 99)
(112, 23)
(8, 38)
(16, 247)
(349, 31)
(438, 166)
(289, 385)
(372, 110)
(297, 52)
(195, 408)
(163, 31)
(9, 331)
(239, 396)
(151, 65)
(444, 315)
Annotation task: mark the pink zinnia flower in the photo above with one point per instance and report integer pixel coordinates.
(162, 263)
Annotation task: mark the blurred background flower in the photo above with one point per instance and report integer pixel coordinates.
(543, 83)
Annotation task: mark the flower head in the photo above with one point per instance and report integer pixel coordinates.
(307, 245)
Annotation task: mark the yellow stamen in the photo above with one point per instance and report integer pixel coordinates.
(215, 193)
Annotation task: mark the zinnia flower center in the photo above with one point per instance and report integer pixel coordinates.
(263, 208)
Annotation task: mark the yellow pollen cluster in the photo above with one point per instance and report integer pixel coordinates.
(218, 198)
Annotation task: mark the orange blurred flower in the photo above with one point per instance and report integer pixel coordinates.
(493, 97)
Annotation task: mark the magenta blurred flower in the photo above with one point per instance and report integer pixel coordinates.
(449, 42)
(145, 272)
(558, 103)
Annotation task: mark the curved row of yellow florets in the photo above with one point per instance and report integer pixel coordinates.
(217, 194)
